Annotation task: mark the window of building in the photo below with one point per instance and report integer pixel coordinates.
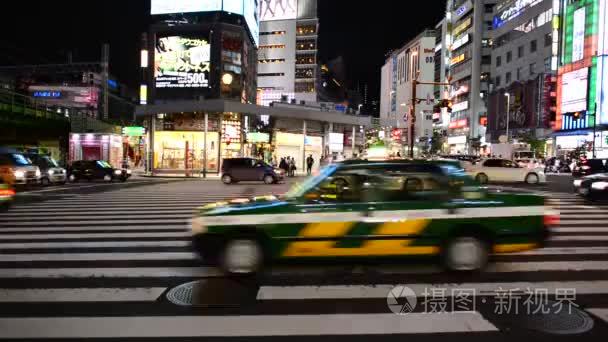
(305, 73)
(305, 87)
(498, 61)
(508, 78)
(548, 39)
(272, 60)
(486, 59)
(487, 42)
(489, 25)
(306, 30)
(497, 81)
(272, 46)
(509, 57)
(519, 73)
(488, 8)
(533, 46)
(548, 64)
(305, 59)
(271, 74)
(520, 51)
(532, 68)
(272, 33)
(308, 44)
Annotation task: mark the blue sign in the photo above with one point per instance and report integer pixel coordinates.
(112, 84)
(460, 11)
(47, 94)
(340, 108)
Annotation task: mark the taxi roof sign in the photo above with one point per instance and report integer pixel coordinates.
(133, 131)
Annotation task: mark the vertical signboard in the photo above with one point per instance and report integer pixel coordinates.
(578, 35)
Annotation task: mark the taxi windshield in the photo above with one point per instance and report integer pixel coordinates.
(300, 189)
(104, 164)
(20, 159)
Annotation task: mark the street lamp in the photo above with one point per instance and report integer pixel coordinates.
(508, 112)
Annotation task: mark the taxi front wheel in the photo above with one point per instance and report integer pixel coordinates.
(241, 257)
(465, 253)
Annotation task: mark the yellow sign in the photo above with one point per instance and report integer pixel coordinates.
(457, 59)
(463, 26)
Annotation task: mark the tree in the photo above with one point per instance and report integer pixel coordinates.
(437, 142)
(536, 145)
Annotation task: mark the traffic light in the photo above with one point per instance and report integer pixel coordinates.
(577, 115)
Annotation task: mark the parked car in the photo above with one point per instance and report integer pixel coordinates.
(7, 194)
(593, 187)
(406, 208)
(96, 170)
(249, 169)
(587, 167)
(503, 170)
(16, 168)
(51, 172)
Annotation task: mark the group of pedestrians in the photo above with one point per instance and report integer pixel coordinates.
(288, 165)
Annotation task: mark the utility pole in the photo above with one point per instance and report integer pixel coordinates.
(105, 66)
(594, 128)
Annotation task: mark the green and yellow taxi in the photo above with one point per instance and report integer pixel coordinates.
(363, 209)
(7, 194)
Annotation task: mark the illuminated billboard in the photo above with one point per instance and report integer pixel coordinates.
(184, 6)
(246, 8)
(574, 90)
(578, 35)
(182, 62)
(278, 9)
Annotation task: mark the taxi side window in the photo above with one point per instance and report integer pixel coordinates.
(344, 187)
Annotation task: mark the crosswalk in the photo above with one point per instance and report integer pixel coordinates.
(100, 265)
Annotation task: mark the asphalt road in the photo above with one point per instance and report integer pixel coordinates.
(103, 261)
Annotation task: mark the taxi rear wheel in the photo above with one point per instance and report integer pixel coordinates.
(227, 179)
(465, 253)
(532, 178)
(268, 179)
(241, 257)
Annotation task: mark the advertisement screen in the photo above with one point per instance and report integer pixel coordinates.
(578, 35)
(278, 9)
(574, 90)
(182, 62)
(184, 6)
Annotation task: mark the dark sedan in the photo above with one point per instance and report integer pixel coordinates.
(588, 167)
(593, 187)
(90, 170)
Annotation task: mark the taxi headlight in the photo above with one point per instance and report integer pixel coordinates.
(117, 172)
(577, 183)
(19, 174)
(38, 173)
(197, 225)
(599, 186)
(51, 172)
(129, 172)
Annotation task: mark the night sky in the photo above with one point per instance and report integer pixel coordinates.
(42, 32)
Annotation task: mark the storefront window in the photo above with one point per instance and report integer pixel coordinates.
(172, 147)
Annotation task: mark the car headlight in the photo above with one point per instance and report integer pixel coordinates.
(197, 226)
(19, 174)
(599, 186)
(38, 173)
(118, 172)
(51, 172)
(129, 172)
(577, 183)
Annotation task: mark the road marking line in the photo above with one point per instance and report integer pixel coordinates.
(132, 272)
(79, 244)
(242, 326)
(381, 290)
(93, 228)
(81, 295)
(94, 236)
(97, 257)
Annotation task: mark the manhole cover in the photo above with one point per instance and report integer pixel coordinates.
(567, 320)
(213, 292)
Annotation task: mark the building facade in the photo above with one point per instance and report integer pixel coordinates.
(582, 81)
(287, 55)
(441, 118)
(413, 61)
(523, 86)
(470, 44)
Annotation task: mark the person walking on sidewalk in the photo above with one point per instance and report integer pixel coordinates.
(309, 163)
(292, 167)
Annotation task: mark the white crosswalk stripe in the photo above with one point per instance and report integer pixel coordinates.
(132, 245)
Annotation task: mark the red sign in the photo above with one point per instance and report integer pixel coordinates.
(483, 120)
(462, 123)
(396, 134)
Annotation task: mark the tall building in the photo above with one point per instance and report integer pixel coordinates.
(201, 50)
(415, 60)
(470, 41)
(582, 82)
(441, 119)
(523, 87)
(287, 56)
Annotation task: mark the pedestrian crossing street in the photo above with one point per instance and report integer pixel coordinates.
(99, 266)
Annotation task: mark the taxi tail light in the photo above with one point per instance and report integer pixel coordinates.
(7, 192)
(551, 219)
